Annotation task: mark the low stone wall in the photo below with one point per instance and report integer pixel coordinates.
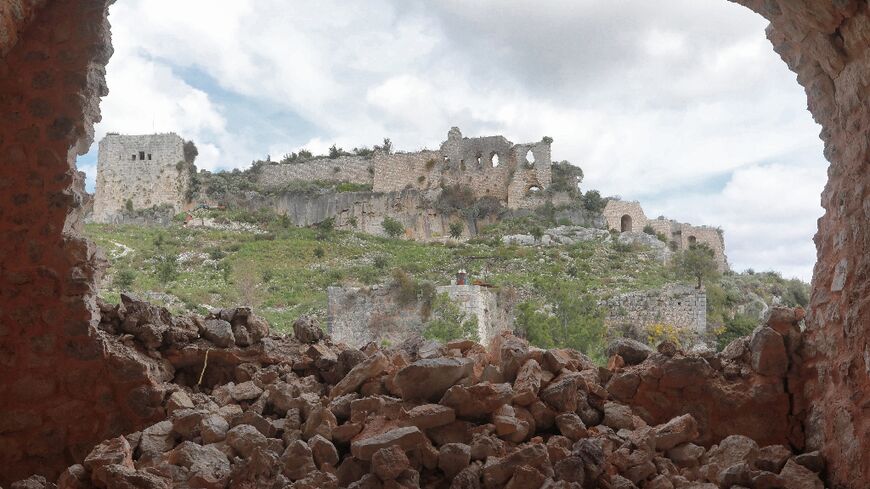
(680, 306)
(353, 169)
(359, 315)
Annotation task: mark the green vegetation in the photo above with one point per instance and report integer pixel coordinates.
(392, 227)
(284, 271)
(449, 323)
(456, 229)
(697, 261)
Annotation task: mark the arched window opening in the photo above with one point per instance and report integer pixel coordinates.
(534, 189)
(625, 224)
(493, 158)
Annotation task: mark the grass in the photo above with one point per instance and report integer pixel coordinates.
(279, 273)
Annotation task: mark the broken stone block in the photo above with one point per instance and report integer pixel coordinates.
(219, 332)
(571, 426)
(453, 457)
(675, 432)
(478, 400)
(405, 438)
(632, 351)
(388, 463)
(307, 330)
(297, 461)
(429, 379)
(767, 352)
(430, 416)
(528, 383)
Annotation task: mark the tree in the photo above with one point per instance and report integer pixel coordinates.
(537, 233)
(190, 152)
(335, 152)
(456, 229)
(392, 227)
(593, 202)
(698, 261)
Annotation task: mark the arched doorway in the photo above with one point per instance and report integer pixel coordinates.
(692, 240)
(625, 224)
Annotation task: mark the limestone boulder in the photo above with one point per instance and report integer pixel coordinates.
(478, 400)
(306, 330)
(767, 352)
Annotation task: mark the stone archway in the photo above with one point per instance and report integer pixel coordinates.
(61, 386)
(625, 224)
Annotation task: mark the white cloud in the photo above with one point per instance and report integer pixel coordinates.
(652, 99)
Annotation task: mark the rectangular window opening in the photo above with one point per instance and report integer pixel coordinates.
(149, 156)
(141, 155)
(133, 158)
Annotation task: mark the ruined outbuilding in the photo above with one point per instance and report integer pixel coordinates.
(66, 385)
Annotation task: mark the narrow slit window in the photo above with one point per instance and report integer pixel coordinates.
(149, 156)
(141, 155)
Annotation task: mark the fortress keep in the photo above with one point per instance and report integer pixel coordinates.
(139, 172)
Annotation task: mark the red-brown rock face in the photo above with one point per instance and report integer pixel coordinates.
(63, 389)
(827, 43)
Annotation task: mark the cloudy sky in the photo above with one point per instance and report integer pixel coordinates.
(680, 104)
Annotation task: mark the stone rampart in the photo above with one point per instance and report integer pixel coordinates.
(353, 169)
(681, 307)
(139, 172)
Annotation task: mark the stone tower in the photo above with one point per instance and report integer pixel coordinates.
(139, 172)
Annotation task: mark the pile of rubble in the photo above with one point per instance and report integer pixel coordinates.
(242, 414)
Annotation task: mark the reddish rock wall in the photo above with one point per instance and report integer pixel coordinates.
(827, 43)
(59, 393)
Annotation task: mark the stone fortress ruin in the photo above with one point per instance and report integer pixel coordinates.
(67, 384)
(491, 166)
(139, 172)
(628, 217)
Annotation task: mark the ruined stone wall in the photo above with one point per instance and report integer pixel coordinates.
(827, 43)
(680, 233)
(14, 17)
(616, 209)
(353, 169)
(143, 170)
(365, 211)
(482, 303)
(680, 306)
(359, 315)
(491, 166)
(62, 387)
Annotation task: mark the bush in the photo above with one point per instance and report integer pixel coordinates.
(392, 227)
(167, 268)
(267, 275)
(593, 202)
(319, 252)
(739, 325)
(566, 178)
(455, 199)
(405, 285)
(326, 226)
(353, 222)
(449, 322)
(537, 233)
(381, 262)
(125, 279)
(456, 229)
(648, 229)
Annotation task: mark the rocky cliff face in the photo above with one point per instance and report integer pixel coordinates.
(827, 44)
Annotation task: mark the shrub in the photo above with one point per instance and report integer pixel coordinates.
(739, 325)
(405, 286)
(455, 198)
(659, 332)
(537, 233)
(125, 279)
(190, 152)
(326, 225)
(319, 252)
(430, 164)
(267, 275)
(593, 202)
(335, 152)
(456, 229)
(226, 270)
(167, 268)
(392, 227)
(648, 229)
(353, 222)
(421, 179)
(129, 205)
(449, 322)
(565, 178)
(380, 262)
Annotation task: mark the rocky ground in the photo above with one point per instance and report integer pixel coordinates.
(243, 408)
